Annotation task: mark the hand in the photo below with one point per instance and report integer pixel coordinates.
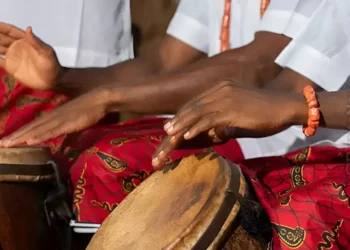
(27, 58)
(215, 136)
(76, 115)
(231, 110)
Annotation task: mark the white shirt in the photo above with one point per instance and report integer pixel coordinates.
(320, 51)
(320, 42)
(84, 33)
(198, 23)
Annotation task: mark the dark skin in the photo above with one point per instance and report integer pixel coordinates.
(230, 110)
(127, 85)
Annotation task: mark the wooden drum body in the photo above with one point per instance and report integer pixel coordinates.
(190, 205)
(25, 179)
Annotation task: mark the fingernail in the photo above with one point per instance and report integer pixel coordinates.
(169, 129)
(172, 140)
(167, 125)
(155, 161)
(212, 133)
(31, 141)
(187, 135)
(6, 142)
(161, 152)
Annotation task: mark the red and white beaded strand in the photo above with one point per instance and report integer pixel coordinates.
(225, 26)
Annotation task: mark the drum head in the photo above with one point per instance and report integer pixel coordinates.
(183, 207)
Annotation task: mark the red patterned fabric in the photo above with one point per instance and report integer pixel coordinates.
(305, 193)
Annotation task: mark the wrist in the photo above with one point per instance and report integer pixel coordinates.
(59, 80)
(114, 97)
(295, 110)
(61, 74)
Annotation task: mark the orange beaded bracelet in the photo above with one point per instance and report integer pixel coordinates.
(314, 112)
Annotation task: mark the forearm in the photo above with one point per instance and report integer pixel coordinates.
(290, 81)
(166, 93)
(171, 55)
(77, 81)
(334, 107)
(251, 65)
(258, 57)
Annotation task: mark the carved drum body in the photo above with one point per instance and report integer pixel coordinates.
(25, 180)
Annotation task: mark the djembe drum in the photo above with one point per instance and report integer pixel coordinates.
(26, 177)
(191, 205)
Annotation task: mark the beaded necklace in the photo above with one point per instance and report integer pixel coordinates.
(225, 26)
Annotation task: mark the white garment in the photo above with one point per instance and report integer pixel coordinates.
(84, 33)
(198, 23)
(320, 51)
(320, 43)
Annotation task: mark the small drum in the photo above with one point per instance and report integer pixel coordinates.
(25, 179)
(190, 205)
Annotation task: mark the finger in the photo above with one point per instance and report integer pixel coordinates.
(168, 144)
(3, 50)
(188, 112)
(206, 97)
(23, 130)
(11, 31)
(34, 136)
(38, 138)
(6, 40)
(21, 135)
(33, 40)
(2, 63)
(222, 134)
(203, 98)
(56, 129)
(207, 123)
(18, 139)
(187, 120)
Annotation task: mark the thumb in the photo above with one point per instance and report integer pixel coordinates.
(236, 132)
(37, 44)
(221, 134)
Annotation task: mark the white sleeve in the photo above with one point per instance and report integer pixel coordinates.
(286, 17)
(190, 24)
(321, 50)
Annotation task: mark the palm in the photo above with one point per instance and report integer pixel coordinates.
(32, 62)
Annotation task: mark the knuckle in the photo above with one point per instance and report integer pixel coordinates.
(227, 101)
(225, 83)
(197, 111)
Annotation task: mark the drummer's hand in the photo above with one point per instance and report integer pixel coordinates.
(215, 136)
(74, 116)
(27, 58)
(233, 110)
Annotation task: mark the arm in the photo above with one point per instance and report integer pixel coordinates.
(290, 81)
(334, 106)
(253, 64)
(319, 51)
(171, 55)
(232, 111)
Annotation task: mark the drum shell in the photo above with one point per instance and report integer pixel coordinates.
(23, 222)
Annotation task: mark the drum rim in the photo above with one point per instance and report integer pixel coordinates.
(219, 220)
(33, 148)
(26, 173)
